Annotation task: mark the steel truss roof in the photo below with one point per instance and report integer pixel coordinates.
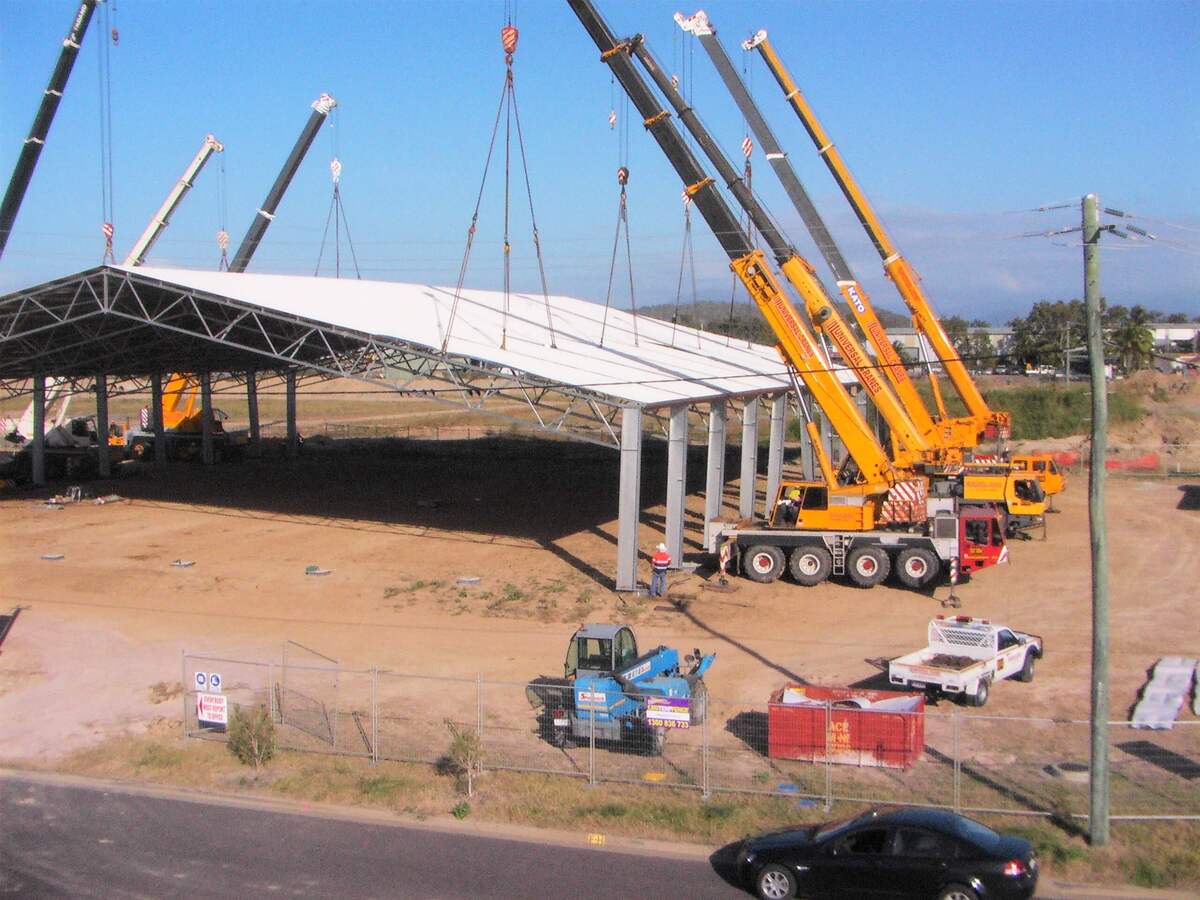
(128, 323)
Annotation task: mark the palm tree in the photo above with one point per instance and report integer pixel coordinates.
(1132, 341)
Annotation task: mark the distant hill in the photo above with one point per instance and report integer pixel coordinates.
(743, 320)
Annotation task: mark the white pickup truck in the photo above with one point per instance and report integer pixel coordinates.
(965, 655)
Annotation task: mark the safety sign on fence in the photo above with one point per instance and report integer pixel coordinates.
(212, 711)
(669, 712)
(208, 681)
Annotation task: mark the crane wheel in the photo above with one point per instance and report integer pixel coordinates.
(916, 567)
(763, 563)
(139, 451)
(810, 565)
(868, 566)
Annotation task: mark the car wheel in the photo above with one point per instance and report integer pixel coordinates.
(979, 698)
(916, 567)
(868, 566)
(957, 892)
(774, 882)
(1026, 673)
(763, 563)
(810, 565)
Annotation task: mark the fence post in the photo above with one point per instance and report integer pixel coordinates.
(828, 757)
(337, 705)
(592, 748)
(283, 688)
(479, 713)
(271, 690)
(705, 790)
(957, 762)
(184, 684)
(374, 714)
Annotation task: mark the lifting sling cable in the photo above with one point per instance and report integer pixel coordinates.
(104, 62)
(622, 223)
(508, 106)
(222, 217)
(687, 258)
(337, 216)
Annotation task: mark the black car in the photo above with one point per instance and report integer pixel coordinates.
(908, 853)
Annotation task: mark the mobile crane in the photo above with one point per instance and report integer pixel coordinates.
(989, 423)
(182, 421)
(159, 221)
(32, 149)
(914, 453)
(840, 524)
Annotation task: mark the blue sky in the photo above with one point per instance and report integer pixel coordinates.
(952, 115)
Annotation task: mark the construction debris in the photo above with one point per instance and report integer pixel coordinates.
(108, 498)
(52, 556)
(316, 570)
(182, 563)
(465, 580)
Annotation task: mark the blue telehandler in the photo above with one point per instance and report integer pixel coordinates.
(610, 691)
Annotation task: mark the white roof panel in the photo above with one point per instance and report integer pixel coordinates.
(665, 365)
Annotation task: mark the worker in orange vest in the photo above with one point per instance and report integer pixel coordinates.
(659, 563)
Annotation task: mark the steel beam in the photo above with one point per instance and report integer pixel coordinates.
(38, 438)
(779, 407)
(677, 453)
(206, 418)
(252, 405)
(714, 485)
(629, 501)
(293, 445)
(104, 462)
(748, 485)
(156, 420)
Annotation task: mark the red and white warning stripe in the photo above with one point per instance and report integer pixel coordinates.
(612, 118)
(508, 37)
(747, 146)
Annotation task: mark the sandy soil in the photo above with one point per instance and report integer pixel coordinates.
(535, 521)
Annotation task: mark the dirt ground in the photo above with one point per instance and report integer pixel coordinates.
(535, 521)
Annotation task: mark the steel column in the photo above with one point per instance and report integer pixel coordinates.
(38, 438)
(775, 451)
(156, 419)
(252, 405)
(292, 444)
(103, 461)
(714, 485)
(677, 450)
(629, 502)
(206, 417)
(748, 485)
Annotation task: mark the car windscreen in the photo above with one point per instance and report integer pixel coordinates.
(979, 835)
(833, 829)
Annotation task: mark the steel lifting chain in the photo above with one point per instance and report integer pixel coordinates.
(508, 105)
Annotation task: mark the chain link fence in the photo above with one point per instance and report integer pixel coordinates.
(826, 752)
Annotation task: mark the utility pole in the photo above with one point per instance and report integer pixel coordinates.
(1098, 782)
(1067, 355)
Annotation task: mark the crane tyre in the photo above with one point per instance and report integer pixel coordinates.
(810, 564)
(763, 563)
(916, 567)
(868, 566)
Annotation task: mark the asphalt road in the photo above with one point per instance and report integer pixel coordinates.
(65, 839)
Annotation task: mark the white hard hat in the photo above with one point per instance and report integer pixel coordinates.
(662, 547)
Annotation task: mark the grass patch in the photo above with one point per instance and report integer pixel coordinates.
(382, 787)
(1045, 410)
(159, 756)
(162, 691)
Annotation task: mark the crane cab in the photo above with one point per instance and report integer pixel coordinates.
(1044, 469)
(597, 650)
(980, 540)
(811, 505)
